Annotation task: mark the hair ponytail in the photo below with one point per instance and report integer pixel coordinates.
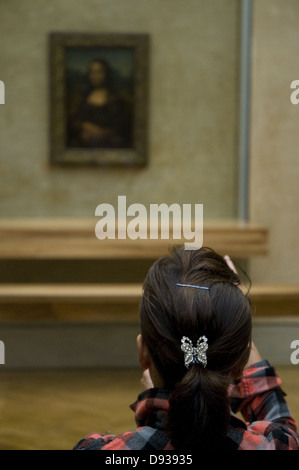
(199, 410)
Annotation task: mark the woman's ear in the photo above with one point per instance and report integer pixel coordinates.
(143, 353)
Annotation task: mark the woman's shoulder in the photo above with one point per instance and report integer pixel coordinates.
(264, 435)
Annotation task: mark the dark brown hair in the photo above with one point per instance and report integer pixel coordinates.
(199, 408)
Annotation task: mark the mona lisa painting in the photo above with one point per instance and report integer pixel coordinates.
(99, 99)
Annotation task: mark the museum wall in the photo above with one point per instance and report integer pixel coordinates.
(193, 107)
(193, 111)
(274, 168)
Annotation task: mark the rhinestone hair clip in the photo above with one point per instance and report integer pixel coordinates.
(195, 355)
(190, 285)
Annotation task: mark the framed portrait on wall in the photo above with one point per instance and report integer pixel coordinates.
(99, 99)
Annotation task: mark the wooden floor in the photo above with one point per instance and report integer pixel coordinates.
(55, 409)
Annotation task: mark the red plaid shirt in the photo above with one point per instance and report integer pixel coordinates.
(257, 395)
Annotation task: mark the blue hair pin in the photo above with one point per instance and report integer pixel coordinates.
(190, 285)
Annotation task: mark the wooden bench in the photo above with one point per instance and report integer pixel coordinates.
(74, 239)
(115, 302)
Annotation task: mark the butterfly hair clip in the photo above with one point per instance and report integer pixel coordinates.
(197, 354)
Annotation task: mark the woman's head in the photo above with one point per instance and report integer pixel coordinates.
(221, 313)
(99, 73)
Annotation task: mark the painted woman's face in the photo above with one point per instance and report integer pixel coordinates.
(97, 74)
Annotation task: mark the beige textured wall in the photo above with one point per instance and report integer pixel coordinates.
(274, 172)
(193, 107)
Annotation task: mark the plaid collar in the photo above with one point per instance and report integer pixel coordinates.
(151, 409)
